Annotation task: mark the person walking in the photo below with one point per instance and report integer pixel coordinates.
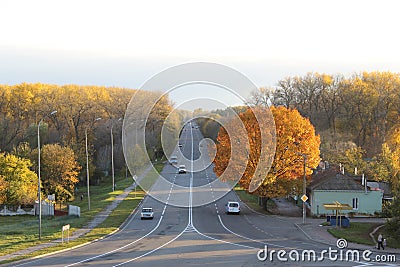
(380, 242)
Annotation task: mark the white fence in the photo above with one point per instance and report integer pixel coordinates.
(74, 210)
(6, 212)
(47, 209)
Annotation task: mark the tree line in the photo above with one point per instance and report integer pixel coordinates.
(357, 117)
(362, 108)
(64, 113)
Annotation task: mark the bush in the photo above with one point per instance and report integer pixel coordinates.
(393, 228)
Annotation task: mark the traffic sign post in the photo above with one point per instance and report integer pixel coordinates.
(65, 228)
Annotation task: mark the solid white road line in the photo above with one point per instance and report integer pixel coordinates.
(151, 251)
(133, 242)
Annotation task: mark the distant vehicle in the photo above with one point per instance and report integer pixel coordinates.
(147, 213)
(232, 207)
(182, 169)
(173, 160)
(180, 145)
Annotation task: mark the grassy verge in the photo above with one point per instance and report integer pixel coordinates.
(116, 218)
(252, 201)
(20, 232)
(356, 233)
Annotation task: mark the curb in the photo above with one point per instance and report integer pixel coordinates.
(277, 216)
(309, 237)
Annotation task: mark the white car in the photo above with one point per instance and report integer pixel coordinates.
(147, 213)
(173, 160)
(182, 169)
(232, 207)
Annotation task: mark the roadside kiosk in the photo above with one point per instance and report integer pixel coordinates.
(338, 219)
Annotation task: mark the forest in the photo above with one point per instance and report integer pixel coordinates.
(62, 115)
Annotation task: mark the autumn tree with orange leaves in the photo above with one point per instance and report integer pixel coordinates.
(295, 136)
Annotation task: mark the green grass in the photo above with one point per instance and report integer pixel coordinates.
(116, 218)
(252, 201)
(20, 232)
(356, 233)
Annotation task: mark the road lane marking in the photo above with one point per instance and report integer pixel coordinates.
(219, 217)
(224, 241)
(248, 238)
(189, 226)
(133, 242)
(115, 250)
(151, 251)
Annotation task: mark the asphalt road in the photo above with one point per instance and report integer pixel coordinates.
(196, 235)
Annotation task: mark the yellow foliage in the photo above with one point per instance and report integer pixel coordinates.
(295, 135)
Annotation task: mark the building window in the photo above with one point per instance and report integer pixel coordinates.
(355, 203)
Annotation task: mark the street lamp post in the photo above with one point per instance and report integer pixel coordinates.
(87, 164)
(39, 187)
(112, 155)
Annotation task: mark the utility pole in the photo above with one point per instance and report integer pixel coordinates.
(39, 187)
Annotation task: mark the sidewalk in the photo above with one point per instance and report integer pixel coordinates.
(98, 219)
(314, 230)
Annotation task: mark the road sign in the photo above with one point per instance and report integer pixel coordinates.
(304, 198)
(65, 228)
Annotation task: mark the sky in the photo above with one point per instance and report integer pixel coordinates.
(124, 43)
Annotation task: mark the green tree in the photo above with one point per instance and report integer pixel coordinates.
(351, 159)
(18, 184)
(382, 168)
(393, 224)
